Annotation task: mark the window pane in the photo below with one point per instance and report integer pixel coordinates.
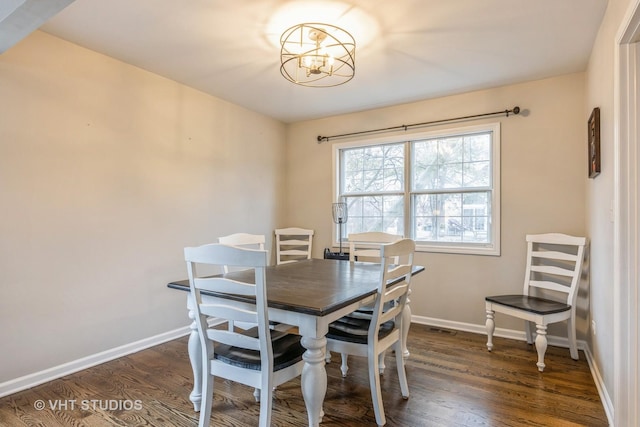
(425, 164)
(477, 147)
(450, 150)
(452, 217)
(476, 212)
(450, 175)
(352, 170)
(477, 161)
(375, 213)
(425, 211)
(373, 169)
(476, 174)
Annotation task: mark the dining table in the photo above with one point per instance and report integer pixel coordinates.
(309, 295)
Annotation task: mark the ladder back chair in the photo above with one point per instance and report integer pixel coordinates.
(367, 244)
(293, 244)
(243, 240)
(370, 337)
(259, 357)
(552, 278)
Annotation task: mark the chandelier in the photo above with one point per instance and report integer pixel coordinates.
(317, 55)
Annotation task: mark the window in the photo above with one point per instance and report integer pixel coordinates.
(441, 188)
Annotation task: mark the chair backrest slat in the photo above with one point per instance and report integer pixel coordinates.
(229, 312)
(296, 242)
(554, 255)
(556, 239)
(255, 241)
(552, 286)
(294, 252)
(394, 292)
(549, 269)
(219, 284)
(234, 339)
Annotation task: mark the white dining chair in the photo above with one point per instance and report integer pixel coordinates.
(365, 246)
(243, 240)
(370, 337)
(293, 244)
(552, 277)
(260, 357)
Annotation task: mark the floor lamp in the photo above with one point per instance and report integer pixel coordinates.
(340, 216)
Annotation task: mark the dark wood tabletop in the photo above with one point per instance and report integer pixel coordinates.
(314, 286)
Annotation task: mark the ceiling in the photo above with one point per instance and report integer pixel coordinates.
(407, 50)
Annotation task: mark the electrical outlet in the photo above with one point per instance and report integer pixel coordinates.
(593, 327)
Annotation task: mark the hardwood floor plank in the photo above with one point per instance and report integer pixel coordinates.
(453, 380)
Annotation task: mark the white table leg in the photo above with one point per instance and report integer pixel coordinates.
(195, 356)
(314, 378)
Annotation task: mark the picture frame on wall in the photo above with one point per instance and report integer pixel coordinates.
(594, 143)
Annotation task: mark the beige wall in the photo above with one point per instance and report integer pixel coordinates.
(543, 170)
(600, 191)
(106, 173)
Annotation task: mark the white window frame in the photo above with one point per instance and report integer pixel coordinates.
(491, 248)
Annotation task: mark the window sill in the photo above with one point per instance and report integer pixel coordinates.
(460, 250)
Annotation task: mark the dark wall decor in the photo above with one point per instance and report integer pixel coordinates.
(594, 143)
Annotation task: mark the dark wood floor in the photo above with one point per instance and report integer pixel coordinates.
(453, 380)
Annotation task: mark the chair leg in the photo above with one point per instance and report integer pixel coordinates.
(266, 403)
(541, 345)
(406, 324)
(327, 357)
(256, 394)
(207, 400)
(374, 385)
(402, 375)
(491, 326)
(527, 332)
(344, 367)
(571, 333)
(381, 365)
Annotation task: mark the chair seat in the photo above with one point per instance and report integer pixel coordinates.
(355, 329)
(528, 303)
(287, 351)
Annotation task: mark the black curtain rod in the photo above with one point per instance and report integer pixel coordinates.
(321, 139)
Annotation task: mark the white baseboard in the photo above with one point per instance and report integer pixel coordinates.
(37, 378)
(520, 335)
(602, 390)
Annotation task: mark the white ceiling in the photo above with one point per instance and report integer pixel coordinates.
(407, 50)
